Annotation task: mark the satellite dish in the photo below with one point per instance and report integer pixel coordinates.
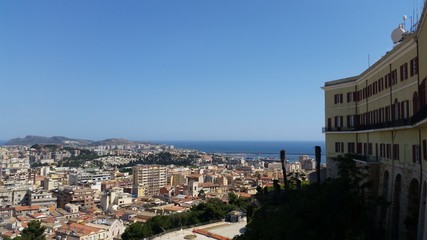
(397, 34)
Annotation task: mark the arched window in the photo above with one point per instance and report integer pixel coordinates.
(423, 209)
(383, 209)
(395, 210)
(411, 221)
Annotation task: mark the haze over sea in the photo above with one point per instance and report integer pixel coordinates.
(253, 149)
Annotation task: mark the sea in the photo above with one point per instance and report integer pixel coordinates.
(252, 150)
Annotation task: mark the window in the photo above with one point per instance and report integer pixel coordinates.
(360, 119)
(404, 109)
(382, 115)
(351, 147)
(404, 72)
(365, 149)
(388, 152)
(370, 149)
(415, 153)
(338, 98)
(394, 77)
(380, 85)
(350, 96)
(359, 148)
(382, 150)
(396, 110)
(338, 121)
(339, 147)
(350, 120)
(387, 113)
(413, 65)
(396, 154)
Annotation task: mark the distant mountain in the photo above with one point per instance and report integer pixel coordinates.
(57, 140)
(113, 142)
(2, 142)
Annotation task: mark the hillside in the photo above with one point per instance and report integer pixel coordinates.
(55, 140)
(113, 142)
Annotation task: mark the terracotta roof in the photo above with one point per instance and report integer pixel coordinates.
(80, 228)
(208, 184)
(119, 213)
(8, 234)
(27, 208)
(244, 195)
(22, 218)
(173, 208)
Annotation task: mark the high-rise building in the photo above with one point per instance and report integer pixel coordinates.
(380, 118)
(149, 177)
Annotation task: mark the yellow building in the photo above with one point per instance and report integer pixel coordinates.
(151, 177)
(380, 118)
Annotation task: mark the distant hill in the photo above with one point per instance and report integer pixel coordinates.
(113, 142)
(56, 140)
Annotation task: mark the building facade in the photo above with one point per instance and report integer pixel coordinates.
(149, 177)
(379, 118)
(84, 197)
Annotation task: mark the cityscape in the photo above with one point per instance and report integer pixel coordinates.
(226, 120)
(82, 189)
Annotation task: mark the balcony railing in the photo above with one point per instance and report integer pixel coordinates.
(338, 129)
(410, 121)
(370, 159)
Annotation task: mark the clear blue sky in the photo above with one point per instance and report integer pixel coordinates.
(182, 69)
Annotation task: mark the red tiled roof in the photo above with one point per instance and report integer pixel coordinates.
(27, 208)
(80, 228)
(244, 195)
(22, 218)
(173, 208)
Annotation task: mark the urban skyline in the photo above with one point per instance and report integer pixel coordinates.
(175, 70)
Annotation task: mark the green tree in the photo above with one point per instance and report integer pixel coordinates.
(336, 209)
(34, 231)
(136, 231)
(202, 194)
(238, 202)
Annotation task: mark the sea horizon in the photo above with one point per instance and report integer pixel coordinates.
(248, 149)
(252, 149)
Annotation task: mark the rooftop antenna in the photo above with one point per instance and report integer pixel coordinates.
(397, 34)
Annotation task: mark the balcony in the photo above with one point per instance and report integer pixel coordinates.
(367, 159)
(338, 129)
(410, 121)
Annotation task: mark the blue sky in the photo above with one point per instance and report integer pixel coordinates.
(183, 69)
